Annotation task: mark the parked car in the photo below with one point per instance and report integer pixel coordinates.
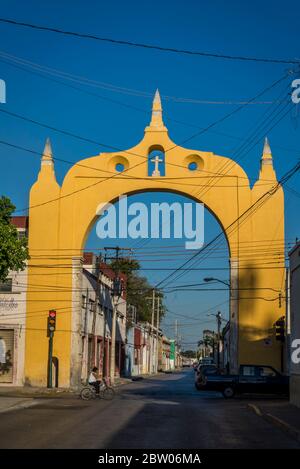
(206, 361)
(203, 361)
(262, 379)
(202, 371)
(195, 365)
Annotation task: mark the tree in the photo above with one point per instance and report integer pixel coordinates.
(13, 251)
(189, 354)
(208, 340)
(138, 289)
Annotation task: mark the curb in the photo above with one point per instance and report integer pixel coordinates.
(286, 427)
(255, 409)
(30, 402)
(279, 423)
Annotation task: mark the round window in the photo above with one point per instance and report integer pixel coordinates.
(192, 166)
(119, 167)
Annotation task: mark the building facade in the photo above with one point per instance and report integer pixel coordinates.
(294, 326)
(13, 319)
(141, 349)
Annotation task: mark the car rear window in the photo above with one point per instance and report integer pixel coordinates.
(248, 370)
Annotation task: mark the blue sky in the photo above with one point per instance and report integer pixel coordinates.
(262, 29)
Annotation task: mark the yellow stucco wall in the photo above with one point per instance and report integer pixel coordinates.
(58, 231)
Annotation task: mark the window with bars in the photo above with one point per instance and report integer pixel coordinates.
(6, 286)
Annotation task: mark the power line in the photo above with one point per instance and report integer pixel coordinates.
(241, 217)
(225, 231)
(20, 63)
(147, 46)
(222, 119)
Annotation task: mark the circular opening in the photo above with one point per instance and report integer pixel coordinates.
(119, 167)
(193, 162)
(193, 166)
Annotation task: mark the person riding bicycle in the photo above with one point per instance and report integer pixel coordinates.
(94, 379)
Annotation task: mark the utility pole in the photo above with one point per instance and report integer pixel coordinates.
(97, 297)
(152, 330)
(85, 345)
(219, 319)
(219, 322)
(117, 291)
(152, 351)
(176, 348)
(157, 328)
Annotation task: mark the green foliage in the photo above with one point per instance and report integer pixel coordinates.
(13, 251)
(138, 290)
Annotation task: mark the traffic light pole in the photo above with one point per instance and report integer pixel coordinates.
(51, 323)
(50, 355)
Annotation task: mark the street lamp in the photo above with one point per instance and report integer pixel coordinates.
(212, 279)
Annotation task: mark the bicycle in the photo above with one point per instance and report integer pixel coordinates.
(105, 392)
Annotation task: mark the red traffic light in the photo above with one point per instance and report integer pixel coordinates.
(52, 313)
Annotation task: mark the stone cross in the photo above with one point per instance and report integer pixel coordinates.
(156, 162)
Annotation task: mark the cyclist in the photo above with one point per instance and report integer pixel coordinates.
(93, 379)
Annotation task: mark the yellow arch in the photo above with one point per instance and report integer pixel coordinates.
(60, 219)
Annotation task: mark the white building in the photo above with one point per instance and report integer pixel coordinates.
(12, 320)
(96, 319)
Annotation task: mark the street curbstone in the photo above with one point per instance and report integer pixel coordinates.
(292, 431)
(276, 421)
(20, 405)
(256, 409)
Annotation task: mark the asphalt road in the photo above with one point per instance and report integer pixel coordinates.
(161, 412)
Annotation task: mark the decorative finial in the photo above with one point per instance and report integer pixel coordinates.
(156, 106)
(47, 153)
(267, 154)
(266, 163)
(156, 117)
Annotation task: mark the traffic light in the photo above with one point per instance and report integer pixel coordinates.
(280, 329)
(51, 322)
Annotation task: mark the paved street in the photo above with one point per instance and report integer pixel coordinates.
(161, 412)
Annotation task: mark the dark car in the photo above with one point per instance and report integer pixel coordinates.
(260, 379)
(202, 371)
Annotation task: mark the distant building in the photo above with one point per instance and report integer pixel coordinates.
(294, 326)
(141, 349)
(164, 357)
(13, 319)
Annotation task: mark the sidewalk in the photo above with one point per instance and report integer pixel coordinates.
(14, 403)
(282, 414)
(32, 392)
(38, 392)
